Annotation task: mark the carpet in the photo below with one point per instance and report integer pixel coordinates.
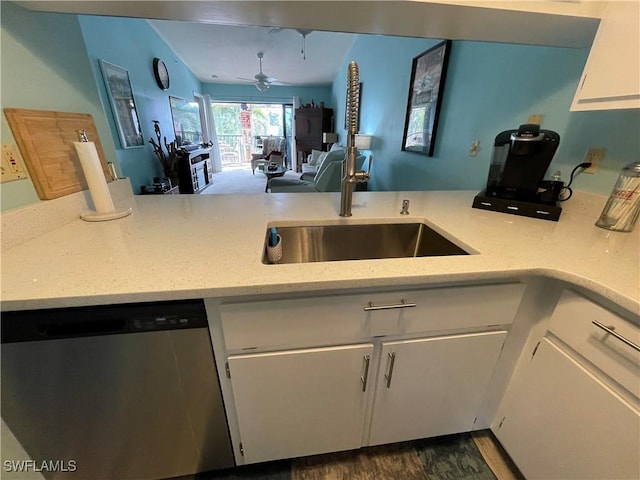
(240, 180)
(450, 457)
(453, 457)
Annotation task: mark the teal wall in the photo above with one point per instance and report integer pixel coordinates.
(45, 67)
(489, 88)
(54, 61)
(274, 94)
(132, 44)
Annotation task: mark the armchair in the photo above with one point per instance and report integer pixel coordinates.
(257, 159)
(269, 144)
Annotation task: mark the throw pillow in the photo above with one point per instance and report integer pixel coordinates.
(327, 158)
(314, 157)
(273, 152)
(321, 158)
(337, 146)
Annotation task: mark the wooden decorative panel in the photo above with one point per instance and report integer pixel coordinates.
(45, 139)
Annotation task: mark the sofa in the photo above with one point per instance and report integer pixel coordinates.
(327, 178)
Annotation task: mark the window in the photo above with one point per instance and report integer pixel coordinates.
(241, 126)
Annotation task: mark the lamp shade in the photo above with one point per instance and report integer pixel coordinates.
(363, 142)
(329, 137)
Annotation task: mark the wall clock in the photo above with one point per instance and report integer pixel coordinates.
(161, 73)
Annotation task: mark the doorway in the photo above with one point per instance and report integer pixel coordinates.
(241, 128)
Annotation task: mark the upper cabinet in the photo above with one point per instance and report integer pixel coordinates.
(611, 77)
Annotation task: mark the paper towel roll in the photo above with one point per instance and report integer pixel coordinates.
(95, 176)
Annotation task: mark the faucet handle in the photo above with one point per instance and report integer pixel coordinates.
(369, 166)
(362, 177)
(405, 207)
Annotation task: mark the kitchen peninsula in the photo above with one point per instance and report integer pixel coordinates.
(198, 246)
(211, 247)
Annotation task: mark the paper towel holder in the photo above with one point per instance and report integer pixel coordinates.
(93, 216)
(97, 186)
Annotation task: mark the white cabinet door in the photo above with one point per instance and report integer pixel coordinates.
(432, 386)
(611, 77)
(563, 423)
(300, 402)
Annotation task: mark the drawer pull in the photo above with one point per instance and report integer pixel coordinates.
(610, 331)
(403, 304)
(364, 377)
(392, 362)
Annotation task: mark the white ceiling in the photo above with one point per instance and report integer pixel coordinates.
(230, 52)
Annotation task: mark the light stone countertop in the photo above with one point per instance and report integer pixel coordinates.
(195, 246)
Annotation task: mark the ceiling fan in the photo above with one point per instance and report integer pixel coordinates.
(301, 31)
(261, 81)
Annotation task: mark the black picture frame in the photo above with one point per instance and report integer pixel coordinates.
(125, 114)
(426, 87)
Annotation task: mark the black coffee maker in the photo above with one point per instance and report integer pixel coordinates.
(519, 162)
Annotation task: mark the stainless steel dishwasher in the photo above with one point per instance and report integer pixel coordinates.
(115, 392)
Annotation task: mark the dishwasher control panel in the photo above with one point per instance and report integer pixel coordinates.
(164, 322)
(58, 323)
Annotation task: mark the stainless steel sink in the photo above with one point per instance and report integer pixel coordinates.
(328, 243)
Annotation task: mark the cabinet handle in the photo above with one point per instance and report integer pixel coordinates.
(392, 362)
(610, 331)
(403, 304)
(364, 377)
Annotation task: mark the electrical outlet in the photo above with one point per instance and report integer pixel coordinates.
(11, 166)
(594, 155)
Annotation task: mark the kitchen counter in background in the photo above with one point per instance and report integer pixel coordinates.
(195, 246)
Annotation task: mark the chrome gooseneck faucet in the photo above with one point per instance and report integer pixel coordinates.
(349, 175)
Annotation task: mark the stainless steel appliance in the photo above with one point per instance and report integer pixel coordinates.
(119, 392)
(519, 162)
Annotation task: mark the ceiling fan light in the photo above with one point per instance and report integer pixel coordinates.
(262, 86)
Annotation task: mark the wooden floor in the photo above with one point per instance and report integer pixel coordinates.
(495, 456)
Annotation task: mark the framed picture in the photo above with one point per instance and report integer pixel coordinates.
(428, 74)
(346, 107)
(116, 80)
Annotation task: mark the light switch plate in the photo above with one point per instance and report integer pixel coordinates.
(474, 148)
(536, 119)
(12, 166)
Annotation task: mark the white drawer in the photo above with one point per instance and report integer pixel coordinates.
(461, 307)
(341, 319)
(572, 322)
